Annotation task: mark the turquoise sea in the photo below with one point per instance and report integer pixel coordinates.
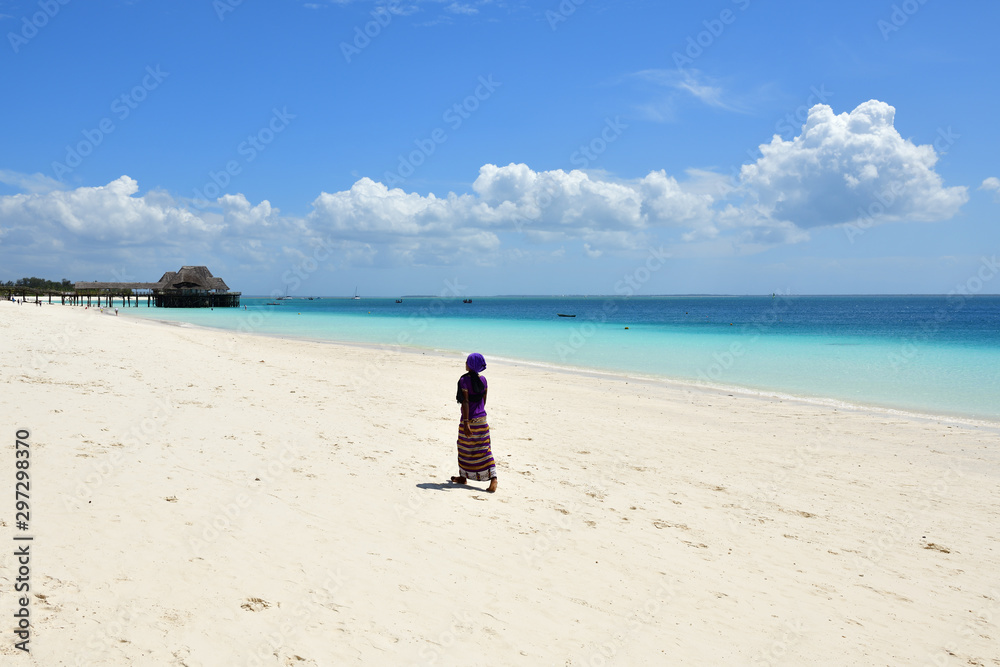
(926, 354)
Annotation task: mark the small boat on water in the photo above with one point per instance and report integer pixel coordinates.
(466, 300)
(564, 315)
(399, 301)
(355, 297)
(273, 303)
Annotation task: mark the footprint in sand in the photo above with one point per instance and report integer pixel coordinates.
(255, 604)
(666, 524)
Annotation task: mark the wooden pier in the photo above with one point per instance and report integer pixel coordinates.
(191, 287)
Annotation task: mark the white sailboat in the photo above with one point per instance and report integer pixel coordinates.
(356, 297)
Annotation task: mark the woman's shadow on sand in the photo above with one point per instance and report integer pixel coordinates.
(445, 486)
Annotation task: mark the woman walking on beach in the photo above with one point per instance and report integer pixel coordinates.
(475, 457)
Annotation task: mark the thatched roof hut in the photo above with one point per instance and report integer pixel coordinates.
(192, 278)
(191, 287)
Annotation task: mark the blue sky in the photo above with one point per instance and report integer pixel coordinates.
(553, 147)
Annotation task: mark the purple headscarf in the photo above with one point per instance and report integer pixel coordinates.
(476, 363)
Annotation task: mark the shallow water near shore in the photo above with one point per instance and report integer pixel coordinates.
(926, 354)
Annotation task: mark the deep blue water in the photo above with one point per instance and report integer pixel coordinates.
(931, 354)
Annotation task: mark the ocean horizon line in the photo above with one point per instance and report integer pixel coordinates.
(614, 296)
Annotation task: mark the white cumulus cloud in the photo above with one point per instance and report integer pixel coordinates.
(33, 183)
(992, 184)
(576, 203)
(846, 167)
(109, 213)
(410, 227)
(546, 206)
(461, 8)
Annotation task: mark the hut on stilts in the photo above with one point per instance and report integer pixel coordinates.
(191, 287)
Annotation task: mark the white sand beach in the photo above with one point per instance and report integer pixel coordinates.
(208, 498)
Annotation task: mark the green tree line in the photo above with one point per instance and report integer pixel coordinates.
(41, 284)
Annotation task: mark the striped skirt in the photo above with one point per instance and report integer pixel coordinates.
(475, 458)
